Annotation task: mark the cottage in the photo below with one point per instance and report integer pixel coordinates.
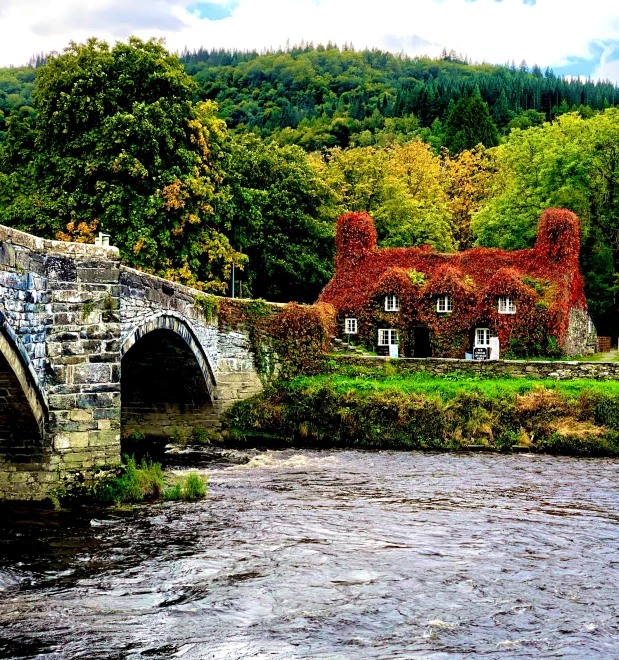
(447, 305)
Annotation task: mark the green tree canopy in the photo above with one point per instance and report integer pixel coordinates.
(118, 140)
(278, 216)
(572, 163)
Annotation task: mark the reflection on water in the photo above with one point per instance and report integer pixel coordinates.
(332, 555)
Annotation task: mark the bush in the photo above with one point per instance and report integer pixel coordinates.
(607, 412)
(190, 488)
(135, 485)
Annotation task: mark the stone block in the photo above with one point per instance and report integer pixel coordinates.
(102, 275)
(62, 442)
(104, 438)
(92, 373)
(62, 401)
(61, 269)
(47, 477)
(98, 400)
(79, 439)
(81, 415)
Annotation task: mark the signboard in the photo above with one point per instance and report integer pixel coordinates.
(494, 348)
(481, 353)
(393, 351)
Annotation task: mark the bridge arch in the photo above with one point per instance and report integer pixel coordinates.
(178, 325)
(23, 404)
(167, 384)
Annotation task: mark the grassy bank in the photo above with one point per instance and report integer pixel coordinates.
(375, 408)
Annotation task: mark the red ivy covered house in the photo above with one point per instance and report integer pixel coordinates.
(444, 305)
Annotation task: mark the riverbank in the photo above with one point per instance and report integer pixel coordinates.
(377, 407)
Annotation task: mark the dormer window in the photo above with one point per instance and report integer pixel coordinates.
(445, 305)
(350, 326)
(392, 303)
(506, 305)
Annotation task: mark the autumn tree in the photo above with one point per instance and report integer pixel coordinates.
(468, 179)
(118, 140)
(414, 208)
(400, 186)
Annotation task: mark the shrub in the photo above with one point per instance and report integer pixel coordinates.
(607, 412)
(190, 488)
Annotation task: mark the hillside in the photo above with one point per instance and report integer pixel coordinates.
(325, 96)
(320, 96)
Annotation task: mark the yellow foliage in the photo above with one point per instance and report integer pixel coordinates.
(468, 180)
(82, 232)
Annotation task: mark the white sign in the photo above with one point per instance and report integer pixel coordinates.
(393, 351)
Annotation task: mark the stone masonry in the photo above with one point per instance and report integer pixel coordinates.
(70, 316)
(553, 369)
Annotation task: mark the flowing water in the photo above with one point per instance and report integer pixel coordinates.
(331, 555)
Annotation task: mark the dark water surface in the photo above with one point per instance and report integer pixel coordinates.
(332, 555)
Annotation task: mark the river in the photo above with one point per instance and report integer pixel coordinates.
(332, 555)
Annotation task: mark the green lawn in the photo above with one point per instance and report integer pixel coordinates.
(448, 387)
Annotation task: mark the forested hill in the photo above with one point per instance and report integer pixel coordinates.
(321, 96)
(326, 96)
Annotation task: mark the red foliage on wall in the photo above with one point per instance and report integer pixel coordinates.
(544, 282)
(356, 237)
(303, 334)
(294, 337)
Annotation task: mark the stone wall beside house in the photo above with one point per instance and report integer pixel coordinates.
(555, 369)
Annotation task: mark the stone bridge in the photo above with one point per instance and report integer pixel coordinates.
(72, 319)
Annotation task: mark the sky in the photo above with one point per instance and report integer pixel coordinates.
(573, 37)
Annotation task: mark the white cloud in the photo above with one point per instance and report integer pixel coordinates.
(550, 33)
(608, 68)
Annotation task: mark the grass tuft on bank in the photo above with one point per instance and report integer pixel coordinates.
(372, 408)
(131, 484)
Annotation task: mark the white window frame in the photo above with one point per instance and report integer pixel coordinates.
(350, 326)
(445, 304)
(392, 303)
(482, 337)
(506, 305)
(388, 337)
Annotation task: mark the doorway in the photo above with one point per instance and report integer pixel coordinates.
(421, 342)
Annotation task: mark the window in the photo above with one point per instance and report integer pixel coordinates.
(392, 303)
(482, 337)
(506, 305)
(387, 337)
(444, 305)
(351, 326)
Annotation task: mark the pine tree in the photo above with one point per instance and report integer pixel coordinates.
(470, 124)
(501, 113)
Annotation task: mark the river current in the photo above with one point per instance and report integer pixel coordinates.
(331, 555)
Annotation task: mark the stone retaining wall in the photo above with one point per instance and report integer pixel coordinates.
(556, 369)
